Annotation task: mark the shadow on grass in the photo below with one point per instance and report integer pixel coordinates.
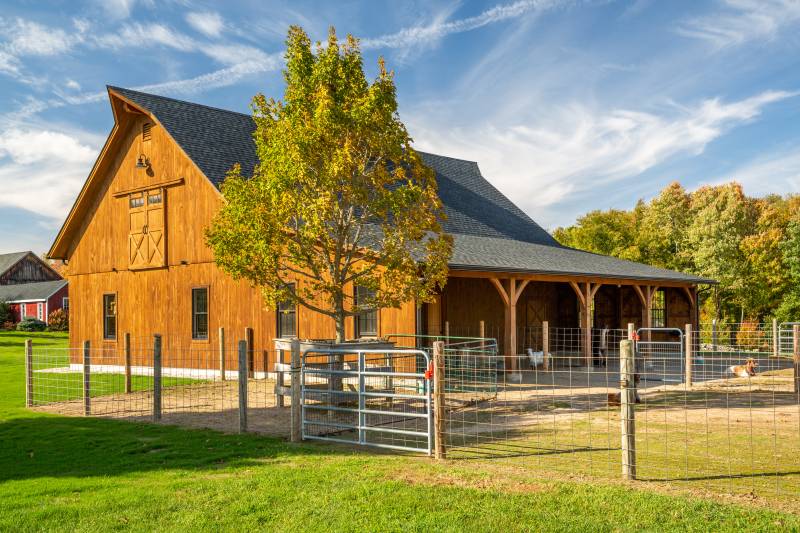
(722, 476)
(80, 447)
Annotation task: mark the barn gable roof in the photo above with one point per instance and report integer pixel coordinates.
(27, 292)
(486, 224)
(9, 260)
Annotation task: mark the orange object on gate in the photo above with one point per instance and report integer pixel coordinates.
(429, 372)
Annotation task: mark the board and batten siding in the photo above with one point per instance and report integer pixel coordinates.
(158, 300)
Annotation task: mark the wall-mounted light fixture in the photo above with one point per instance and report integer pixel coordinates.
(142, 162)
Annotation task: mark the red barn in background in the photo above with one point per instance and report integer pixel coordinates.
(31, 286)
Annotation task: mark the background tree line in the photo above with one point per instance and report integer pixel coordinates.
(750, 245)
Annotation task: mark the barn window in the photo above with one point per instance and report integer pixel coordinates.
(40, 311)
(110, 316)
(136, 201)
(658, 310)
(287, 318)
(154, 198)
(65, 304)
(147, 131)
(200, 313)
(366, 320)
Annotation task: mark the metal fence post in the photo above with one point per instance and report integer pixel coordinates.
(776, 347)
(222, 354)
(127, 354)
(297, 413)
(28, 373)
(796, 356)
(438, 400)
(714, 335)
(243, 372)
(627, 371)
(87, 378)
(689, 355)
(156, 378)
(546, 344)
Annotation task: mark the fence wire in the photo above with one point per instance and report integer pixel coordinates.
(718, 408)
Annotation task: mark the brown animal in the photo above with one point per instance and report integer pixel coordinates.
(747, 370)
(615, 398)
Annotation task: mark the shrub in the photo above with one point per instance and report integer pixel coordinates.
(31, 324)
(6, 315)
(58, 321)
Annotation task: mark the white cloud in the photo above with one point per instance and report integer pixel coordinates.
(138, 35)
(207, 23)
(776, 173)
(570, 149)
(741, 21)
(27, 38)
(72, 84)
(42, 169)
(417, 35)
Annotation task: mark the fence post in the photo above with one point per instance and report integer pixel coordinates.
(796, 356)
(28, 373)
(251, 364)
(447, 331)
(714, 335)
(627, 374)
(87, 377)
(222, 354)
(243, 372)
(440, 447)
(127, 354)
(546, 344)
(631, 331)
(776, 347)
(156, 378)
(689, 356)
(297, 414)
(482, 334)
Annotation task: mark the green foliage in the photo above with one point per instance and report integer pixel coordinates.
(58, 321)
(30, 323)
(6, 315)
(339, 198)
(751, 246)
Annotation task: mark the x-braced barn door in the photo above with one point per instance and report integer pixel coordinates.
(147, 239)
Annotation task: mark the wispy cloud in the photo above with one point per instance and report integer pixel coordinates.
(137, 35)
(417, 35)
(208, 23)
(573, 149)
(23, 38)
(741, 21)
(775, 173)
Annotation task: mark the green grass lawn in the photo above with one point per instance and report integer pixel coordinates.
(86, 474)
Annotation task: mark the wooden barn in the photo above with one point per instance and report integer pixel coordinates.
(31, 286)
(134, 243)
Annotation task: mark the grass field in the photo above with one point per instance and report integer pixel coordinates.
(86, 474)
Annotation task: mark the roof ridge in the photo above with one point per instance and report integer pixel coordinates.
(113, 87)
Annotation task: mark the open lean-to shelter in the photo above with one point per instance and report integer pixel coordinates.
(138, 264)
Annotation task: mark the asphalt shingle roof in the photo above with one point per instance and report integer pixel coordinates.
(491, 233)
(9, 260)
(40, 290)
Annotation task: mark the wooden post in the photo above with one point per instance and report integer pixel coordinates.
(796, 356)
(127, 354)
(28, 373)
(776, 345)
(87, 378)
(248, 336)
(243, 374)
(587, 324)
(627, 395)
(440, 446)
(156, 377)
(297, 406)
(447, 332)
(482, 334)
(222, 354)
(631, 331)
(689, 356)
(546, 344)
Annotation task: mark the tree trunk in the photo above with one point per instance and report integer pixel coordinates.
(339, 327)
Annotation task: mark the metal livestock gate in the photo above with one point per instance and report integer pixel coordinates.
(378, 398)
(660, 354)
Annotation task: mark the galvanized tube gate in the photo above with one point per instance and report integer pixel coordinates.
(372, 398)
(660, 354)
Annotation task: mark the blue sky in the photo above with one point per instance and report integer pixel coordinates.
(566, 105)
